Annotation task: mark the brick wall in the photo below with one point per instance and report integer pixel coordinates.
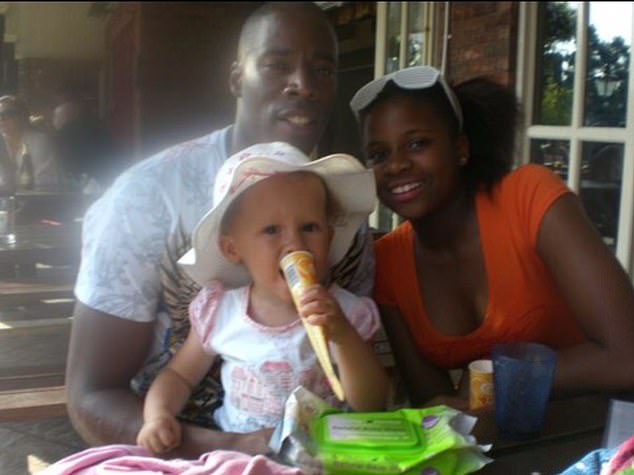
(483, 41)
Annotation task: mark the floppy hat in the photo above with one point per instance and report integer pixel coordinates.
(350, 184)
(416, 77)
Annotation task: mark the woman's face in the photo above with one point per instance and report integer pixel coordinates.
(415, 158)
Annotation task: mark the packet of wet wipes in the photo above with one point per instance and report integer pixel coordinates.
(430, 441)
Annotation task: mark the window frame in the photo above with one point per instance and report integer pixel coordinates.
(576, 133)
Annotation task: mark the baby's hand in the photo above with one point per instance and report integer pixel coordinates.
(160, 434)
(318, 307)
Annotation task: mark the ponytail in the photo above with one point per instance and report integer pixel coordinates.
(491, 116)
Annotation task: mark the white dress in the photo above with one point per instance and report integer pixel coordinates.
(262, 365)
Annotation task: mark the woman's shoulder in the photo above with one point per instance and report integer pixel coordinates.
(529, 183)
(394, 239)
(530, 174)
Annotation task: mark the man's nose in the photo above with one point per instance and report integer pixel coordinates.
(301, 82)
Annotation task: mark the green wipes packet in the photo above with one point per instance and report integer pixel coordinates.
(408, 441)
(320, 440)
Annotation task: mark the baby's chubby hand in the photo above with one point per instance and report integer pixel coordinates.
(160, 434)
(318, 307)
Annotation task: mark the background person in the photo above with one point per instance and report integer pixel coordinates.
(486, 254)
(30, 151)
(132, 297)
(86, 149)
(270, 201)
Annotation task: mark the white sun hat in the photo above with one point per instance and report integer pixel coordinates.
(415, 77)
(350, 184)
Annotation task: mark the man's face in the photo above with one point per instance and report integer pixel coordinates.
(285, 81)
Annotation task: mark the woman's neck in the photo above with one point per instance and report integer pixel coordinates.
(448, 229)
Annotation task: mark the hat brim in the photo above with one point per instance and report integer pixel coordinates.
(349, 183)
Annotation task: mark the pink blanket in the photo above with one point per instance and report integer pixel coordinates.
(132, 460)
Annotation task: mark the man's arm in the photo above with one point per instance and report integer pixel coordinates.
(355, 272)
(105, 352)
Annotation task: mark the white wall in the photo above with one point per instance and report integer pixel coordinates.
(59, 30)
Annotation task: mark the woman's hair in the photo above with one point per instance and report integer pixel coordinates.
(490, 116)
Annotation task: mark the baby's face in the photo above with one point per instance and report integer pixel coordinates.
(281, 214)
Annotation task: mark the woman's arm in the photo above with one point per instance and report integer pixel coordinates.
(600, 295)
(423, 381)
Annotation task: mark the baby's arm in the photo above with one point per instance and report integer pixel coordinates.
(365, 381)
(161, 432)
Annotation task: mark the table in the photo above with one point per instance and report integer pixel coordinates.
(53, 204)
(43, 242)
(41, 264)
(573, 427)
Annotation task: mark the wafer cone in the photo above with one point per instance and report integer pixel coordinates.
(299, 271)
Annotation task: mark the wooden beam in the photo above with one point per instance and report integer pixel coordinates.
(32, 404)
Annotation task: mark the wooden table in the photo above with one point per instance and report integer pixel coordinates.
(573, 428)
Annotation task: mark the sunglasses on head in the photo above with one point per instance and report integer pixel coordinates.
(417, 77)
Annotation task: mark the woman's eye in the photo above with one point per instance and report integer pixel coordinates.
(310, 227)
(417, 144)
(375, 157)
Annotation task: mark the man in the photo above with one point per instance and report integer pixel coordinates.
(132, 297)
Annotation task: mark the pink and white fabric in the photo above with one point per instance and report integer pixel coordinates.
(133, 460)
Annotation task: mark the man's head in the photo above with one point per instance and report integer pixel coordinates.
(66, 113)
(284, 78)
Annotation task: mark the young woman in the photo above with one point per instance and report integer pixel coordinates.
(486, 254)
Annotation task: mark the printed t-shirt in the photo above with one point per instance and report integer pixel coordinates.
(134, 234)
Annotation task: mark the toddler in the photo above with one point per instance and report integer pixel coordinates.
(271, 200)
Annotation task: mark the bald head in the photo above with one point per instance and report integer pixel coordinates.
(257, 20)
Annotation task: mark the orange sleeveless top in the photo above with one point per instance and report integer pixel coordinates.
(524, 304)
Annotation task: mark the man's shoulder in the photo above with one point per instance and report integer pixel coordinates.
(212, 148)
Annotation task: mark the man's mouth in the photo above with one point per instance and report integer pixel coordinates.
(300, 120)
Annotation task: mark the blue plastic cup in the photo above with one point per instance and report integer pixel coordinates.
(523, 378)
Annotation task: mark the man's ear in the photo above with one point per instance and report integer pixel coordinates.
(229, 250)
(235, 79)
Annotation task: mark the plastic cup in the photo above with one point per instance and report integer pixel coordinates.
(481, 384)
(523, 377)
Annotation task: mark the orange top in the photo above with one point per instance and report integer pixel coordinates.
(524, 304)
